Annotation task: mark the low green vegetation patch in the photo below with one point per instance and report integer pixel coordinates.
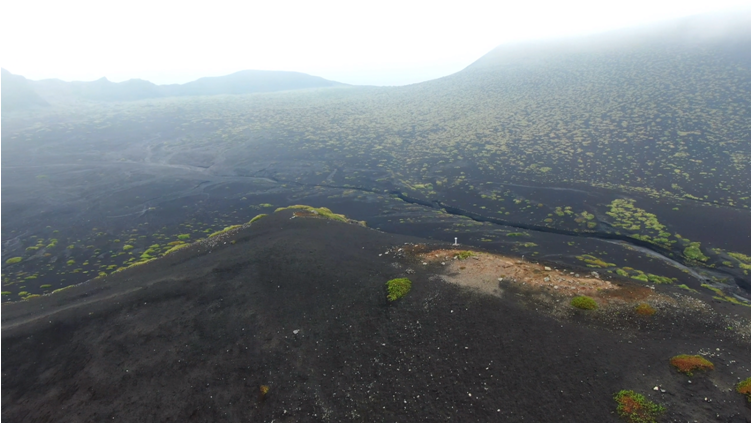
(464, 255)
(63, 288)
(689, 363)
(15, 260)
(256, 218)
(397, 288)
(658, 279)
(516, 234)
(635, 408)
(176, 248)
(584, 302)
(720, 295)
(323, 212)
(741, 257)
(594, 262)
(694, 253)
(686, 287)
(224, 230)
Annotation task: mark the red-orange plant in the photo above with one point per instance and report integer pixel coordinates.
(645, 309)
(636, 408)
(689, 363)
(743, 388)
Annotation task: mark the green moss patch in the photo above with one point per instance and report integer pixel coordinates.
(694, 253)
(224, 230)
(256, 218)
(397, 288)
(584, 302)
(15, 260)
(323, 212)
(594, 262)
(464, 255)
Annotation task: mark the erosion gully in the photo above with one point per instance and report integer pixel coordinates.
(658, 252)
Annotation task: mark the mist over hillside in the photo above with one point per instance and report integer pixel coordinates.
(243, 82)
(157, 249)
(17, 93)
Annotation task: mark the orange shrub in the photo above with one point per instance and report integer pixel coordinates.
(645, 309)
(743, 388)
(689, 363)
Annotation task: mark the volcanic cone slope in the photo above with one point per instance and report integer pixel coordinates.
(288, 320)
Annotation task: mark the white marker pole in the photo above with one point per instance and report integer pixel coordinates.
(455, 242)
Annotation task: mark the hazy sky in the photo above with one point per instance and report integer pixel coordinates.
(357, 42)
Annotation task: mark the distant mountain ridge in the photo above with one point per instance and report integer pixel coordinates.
(22, 93)
(17, 93)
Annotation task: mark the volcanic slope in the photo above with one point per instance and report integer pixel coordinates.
(286, 319)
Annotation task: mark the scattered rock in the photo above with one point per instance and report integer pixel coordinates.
(547, 268)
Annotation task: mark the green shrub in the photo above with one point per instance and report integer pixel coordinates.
(127, 247)
(694, 253)
(397, 288)
(5, 293)
(45, 286)
(15, 260)
(635, 408)
(641, 277)
(464, 254)
(584, 302)
(184, 236)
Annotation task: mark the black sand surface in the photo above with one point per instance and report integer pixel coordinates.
(300, 306)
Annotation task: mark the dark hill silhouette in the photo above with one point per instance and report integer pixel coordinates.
(243, 82)
(17, 93)
(299, 306)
